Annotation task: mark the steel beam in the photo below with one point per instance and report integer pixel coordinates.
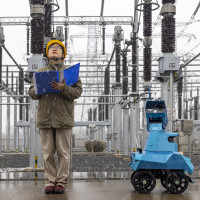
(72, 20)
(97, 123)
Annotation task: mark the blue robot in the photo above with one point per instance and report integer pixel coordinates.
(160, 158)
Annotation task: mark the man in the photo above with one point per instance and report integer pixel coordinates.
(55, 119)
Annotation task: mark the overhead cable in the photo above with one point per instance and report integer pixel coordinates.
(190, 21)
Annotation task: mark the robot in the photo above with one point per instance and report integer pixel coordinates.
(160, 158)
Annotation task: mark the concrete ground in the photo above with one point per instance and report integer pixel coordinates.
(92, 190)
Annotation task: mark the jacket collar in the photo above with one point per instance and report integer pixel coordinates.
(56, 67)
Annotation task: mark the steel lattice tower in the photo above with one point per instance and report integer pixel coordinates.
(92, 65)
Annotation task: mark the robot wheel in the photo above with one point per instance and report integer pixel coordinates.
(176, 182)
(143, 181)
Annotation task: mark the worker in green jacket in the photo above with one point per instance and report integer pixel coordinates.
(55, 119)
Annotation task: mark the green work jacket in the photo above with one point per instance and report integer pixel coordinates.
(56, 110)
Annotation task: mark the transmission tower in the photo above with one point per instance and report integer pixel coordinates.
(92, 66)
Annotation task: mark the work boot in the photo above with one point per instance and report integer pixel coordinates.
(49, 190)
(59, 189)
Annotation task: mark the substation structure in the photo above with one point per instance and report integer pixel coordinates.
(116, 85)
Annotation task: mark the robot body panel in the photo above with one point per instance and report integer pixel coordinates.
(160, 158)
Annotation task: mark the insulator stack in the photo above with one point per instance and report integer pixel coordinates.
(117, 38)
(125, 74)
(147, 64)
(107, 90)
(90, 114)
(134, 51)
(47, 23)
(196, 108)
(101, 109)
(37, 36)
(168, 35)
(134, 63)
(47, 20)
(37, 25)
(168, 26)
(147, 19)
(147, 32)
(41, 2)
(118, 50)
(95, 114)
(168, 1)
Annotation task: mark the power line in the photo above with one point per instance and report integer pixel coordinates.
(190, 21)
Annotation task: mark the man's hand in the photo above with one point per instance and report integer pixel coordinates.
(57, 86)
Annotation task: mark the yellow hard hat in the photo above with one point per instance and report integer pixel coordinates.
(56, 42)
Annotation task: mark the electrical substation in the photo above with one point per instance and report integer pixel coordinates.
(119, 76)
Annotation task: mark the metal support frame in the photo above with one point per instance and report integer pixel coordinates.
(8, 117)
(66, 34)
(117, 122)
(117, 112)
(35, 146)
(103, 38)
(171, 105)
(72, 20)
(190, 108)
(144, 124)
(125, 131)
(134, 99)
(19, 67)
(92, 48)
(0, 100)
(184, 115)
(8, 126)
(16, 134)
(15, 128)
(8, 91)
(198, 108)
(134, 122)
(167, 94)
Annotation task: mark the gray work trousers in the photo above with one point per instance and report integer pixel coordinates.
(56, 140)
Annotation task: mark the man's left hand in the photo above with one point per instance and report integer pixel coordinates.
(57, 86)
